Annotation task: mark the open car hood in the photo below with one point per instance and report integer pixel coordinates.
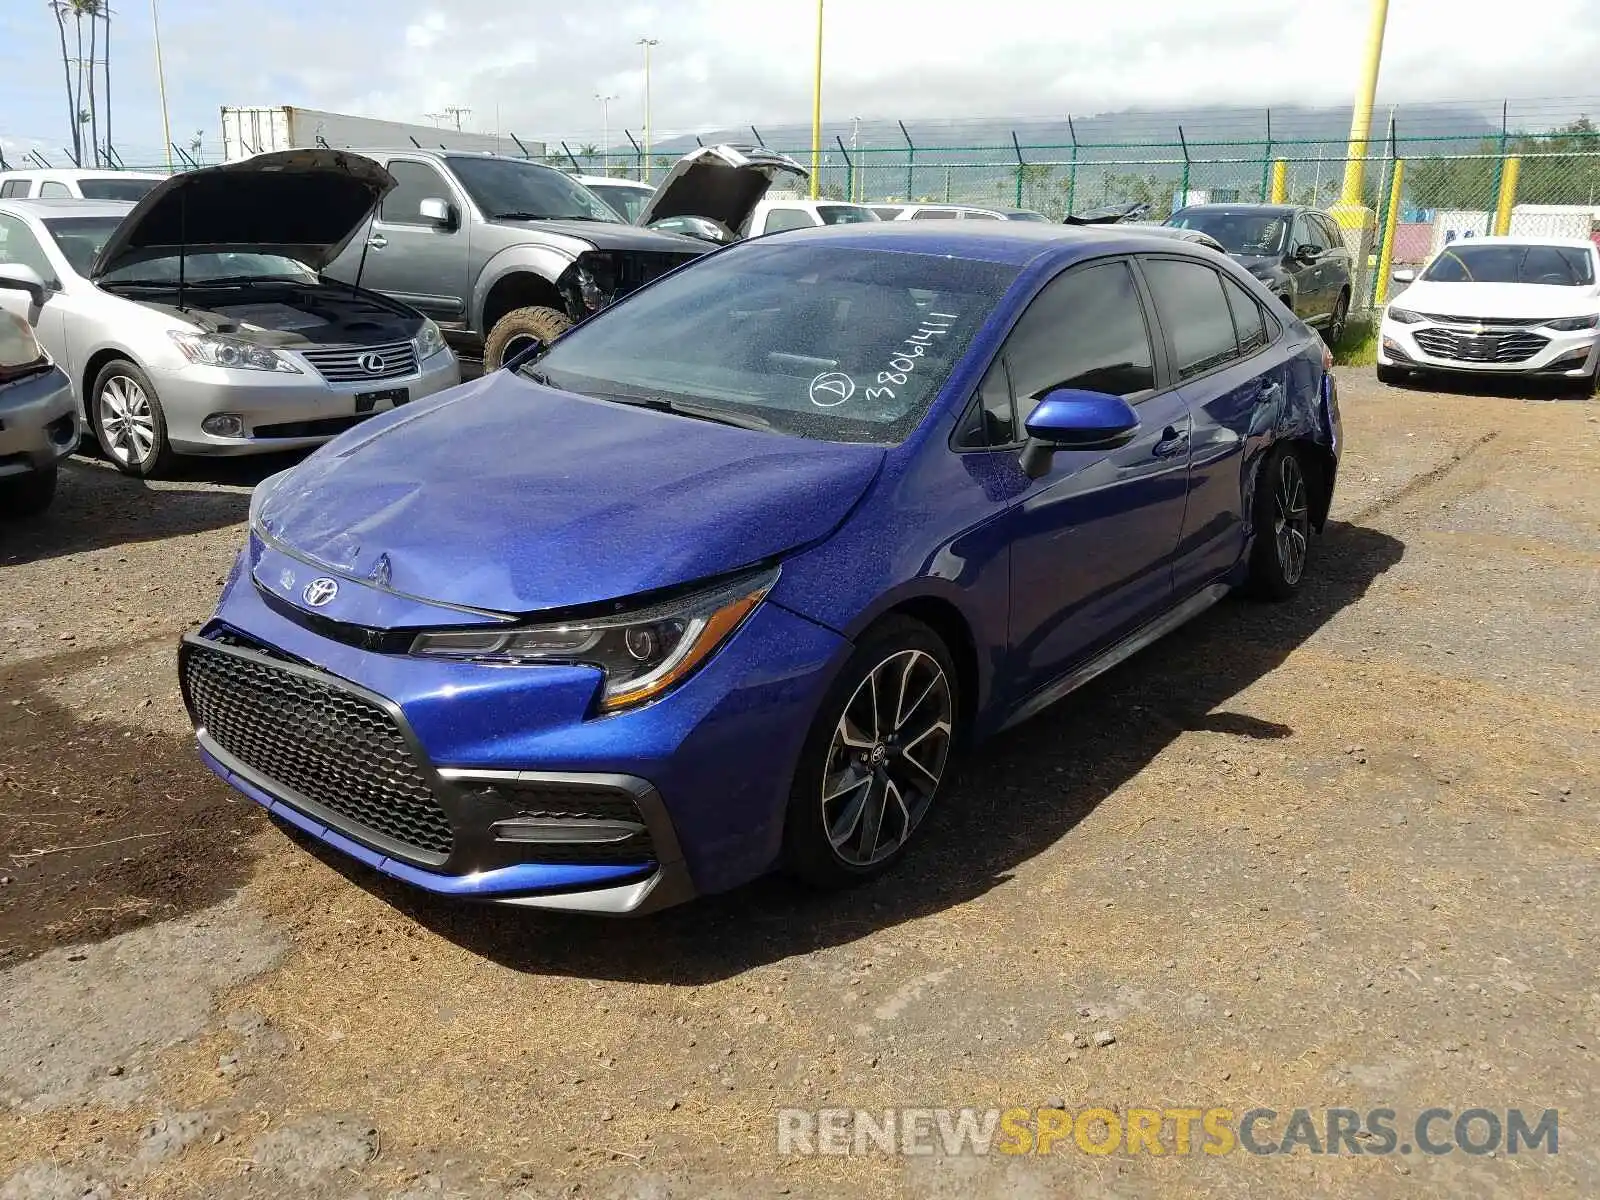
(302, 204)
(724, 183)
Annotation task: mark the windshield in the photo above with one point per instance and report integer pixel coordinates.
(830, 343)
(1559, 266)
(845, 214)
(628, 202)
(1252, 234)
(507, 189)
(80, 239)
(115, 189)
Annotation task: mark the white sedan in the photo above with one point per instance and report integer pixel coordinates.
(1498, 305)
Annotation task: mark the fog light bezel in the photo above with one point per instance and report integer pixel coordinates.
(233, 422)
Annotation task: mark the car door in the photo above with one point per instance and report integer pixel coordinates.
(1222, 345)
(1093, 538)
(1308, 297)
(1336, 263)
(20, 246)
(408, 256)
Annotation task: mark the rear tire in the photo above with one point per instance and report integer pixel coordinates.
(513, 332)
(1281, 520)
(876, 755)
(129, 422)
(28, 495)
(1334, 333)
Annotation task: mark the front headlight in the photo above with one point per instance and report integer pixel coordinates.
(1571, 324)
(1404, 316)
(429, 340)
(642, 653)
(217, 350)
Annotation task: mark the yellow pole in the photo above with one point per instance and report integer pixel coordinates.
(1361, 118)
(816, 114)
(1280, 180)
(1508, 196)
(161, 84)
(1386, 256)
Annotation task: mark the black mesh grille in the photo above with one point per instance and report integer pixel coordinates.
(330, 746)
(556, 802)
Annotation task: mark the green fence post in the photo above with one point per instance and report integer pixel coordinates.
(1184, 142)
(911, 160)
(1266, 160)
(638, 155)
(849, 170)
(1500, 164)
(1072, 174)
(1017, 146)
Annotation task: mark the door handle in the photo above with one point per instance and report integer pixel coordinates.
(1173, 443)
(377, 241)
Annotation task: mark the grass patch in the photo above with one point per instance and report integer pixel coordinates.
(1359, 345)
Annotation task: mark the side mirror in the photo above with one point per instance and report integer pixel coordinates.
(1305, 253)
(436, 210)
(1404, 275)
(1073, 419)
(24, 279)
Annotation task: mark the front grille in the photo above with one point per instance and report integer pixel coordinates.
(311, 739)
(1480, 348)
(562, 802)
(637, 269)
(346, 364)
(1492, 322)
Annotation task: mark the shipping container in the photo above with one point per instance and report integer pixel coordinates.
(247, 131)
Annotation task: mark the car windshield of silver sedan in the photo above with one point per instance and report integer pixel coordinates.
(823, 342)
(507, 190)
(1251, 234)
(80, 239)
(1556, 266)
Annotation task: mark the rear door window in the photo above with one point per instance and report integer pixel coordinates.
(14, 189)
(779, 219)
(51, 189)
(1194, 311)
(1249, 322)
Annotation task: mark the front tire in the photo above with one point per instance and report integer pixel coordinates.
(129, 422)
(875, 757)
(28, 495)
(520, 327)
(1282, 522)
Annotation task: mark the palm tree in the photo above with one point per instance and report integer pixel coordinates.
(59, 7)
(92, 8)
(106, 12)
(77, 13)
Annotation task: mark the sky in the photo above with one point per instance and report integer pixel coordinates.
(537, 68)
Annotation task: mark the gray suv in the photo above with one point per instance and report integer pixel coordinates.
(500, 249)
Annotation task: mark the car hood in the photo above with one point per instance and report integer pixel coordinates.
(605, 235)
(302, 204)
(509, 497)
(1516, 300)
(724, 183)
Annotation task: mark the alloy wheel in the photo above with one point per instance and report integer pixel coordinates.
(127, 420)
(1291, 521)
(1341, 315)
(886, 757)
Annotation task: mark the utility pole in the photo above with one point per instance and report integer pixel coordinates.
(647, 43)
(161, 84)
(452, 110)
(605, 136)
(816, 112)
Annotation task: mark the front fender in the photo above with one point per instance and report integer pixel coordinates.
(547, 262)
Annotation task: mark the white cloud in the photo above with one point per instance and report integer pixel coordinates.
(424, 33)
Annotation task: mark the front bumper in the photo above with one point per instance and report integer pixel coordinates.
(38, 422)
(1487, 349)
(705, 770)
(280, 411)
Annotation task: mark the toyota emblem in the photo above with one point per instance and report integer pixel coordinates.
(320, 592)
(372, 364)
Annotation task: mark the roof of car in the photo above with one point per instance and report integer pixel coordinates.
(1275, 210)
(68, 207)
(79, 173)
(1516, 240)
(1015, 242)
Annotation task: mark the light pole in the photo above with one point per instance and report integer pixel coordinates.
(161, 84)
(816, 113)
(647, 43)
(605, 136)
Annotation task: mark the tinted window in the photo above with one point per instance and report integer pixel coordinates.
(933, 214)
(1241, 231)
(1194, 312)
(1248, 320)
(825, 342)
(53, 190)
(18, 247)
(887, 212)
(1085, 330)
(844, 214)
(504, 188)
(115, 189)
(414, 183)
(1303, 234)
(979, 216)
(787, 218)
(14, 188)
(1332, 235)
(989, 422)
(1560, 266)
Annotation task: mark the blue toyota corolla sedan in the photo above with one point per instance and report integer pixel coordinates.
(722, 579)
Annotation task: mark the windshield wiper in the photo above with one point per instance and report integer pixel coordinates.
(682, 409)
(520, 216)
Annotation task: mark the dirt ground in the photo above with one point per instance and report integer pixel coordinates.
(1336, 853)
